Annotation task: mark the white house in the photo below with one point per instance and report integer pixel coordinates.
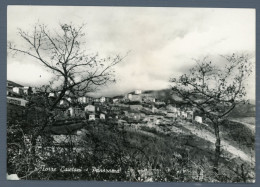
(91, 117)
(71, 111)
(198, 119)
(82, 100)
(67, 92)
(115, 100)
(26, 90)
(178, 111)
(138, 92)
(17, 90)
(51, 94)
(184, 114)
(129, 96)
(102, 116)
(157, 121)
(90, 108)
(34, 90)
(69, 99)
(63, 102)
(102, 99)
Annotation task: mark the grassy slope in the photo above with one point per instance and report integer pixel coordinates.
(200, 151)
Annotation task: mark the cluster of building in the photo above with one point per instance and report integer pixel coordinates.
(131, 107)
(16, 93)
(136, 106)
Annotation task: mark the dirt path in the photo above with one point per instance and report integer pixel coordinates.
(225, 145)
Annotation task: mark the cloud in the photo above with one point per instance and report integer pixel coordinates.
(162, 41)
(27, 74)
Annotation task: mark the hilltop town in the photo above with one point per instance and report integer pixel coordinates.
(135, 107)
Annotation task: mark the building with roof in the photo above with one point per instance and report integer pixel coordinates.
(198, 119)
(90, 109)
(91, 117)
(18, 90)
(83, 100)
(102, 99)
(137, 92)
(17, 101)
(102, 116)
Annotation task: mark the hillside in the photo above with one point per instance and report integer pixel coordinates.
(13, 84)
(243, 110)
(163, 151)
(165, 95)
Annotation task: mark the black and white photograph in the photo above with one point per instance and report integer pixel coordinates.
(134, 94)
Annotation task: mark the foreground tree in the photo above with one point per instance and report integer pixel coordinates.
(215, 90)
(75, 72)
(62, 52)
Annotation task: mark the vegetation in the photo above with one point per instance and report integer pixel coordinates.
(215, 90)
(105, 146)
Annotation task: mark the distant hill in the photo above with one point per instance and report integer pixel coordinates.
(243, 110)
(13, 84)
(166, 95)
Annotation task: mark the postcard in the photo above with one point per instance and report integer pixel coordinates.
(146, 94)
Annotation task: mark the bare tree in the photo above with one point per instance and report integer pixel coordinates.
(215, 90)
(63, 53)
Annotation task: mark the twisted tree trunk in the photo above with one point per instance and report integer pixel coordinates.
(217, 148)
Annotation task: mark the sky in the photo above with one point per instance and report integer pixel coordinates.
(162, 41)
